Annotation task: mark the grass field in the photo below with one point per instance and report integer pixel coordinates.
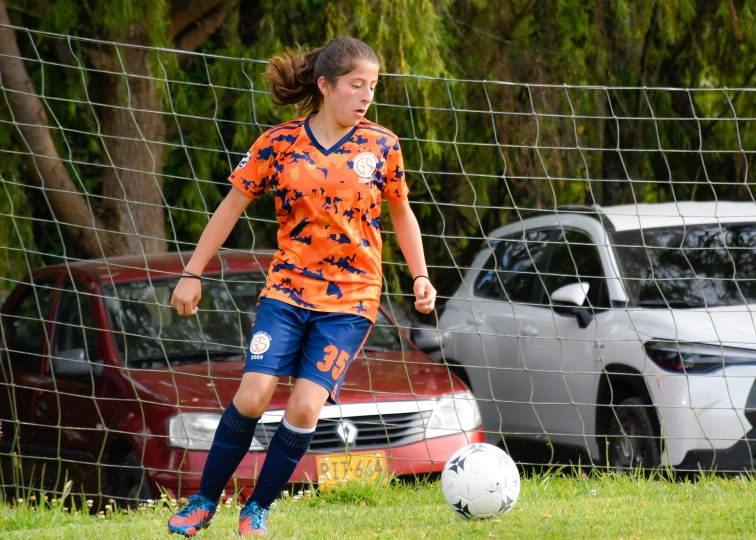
(550, 506)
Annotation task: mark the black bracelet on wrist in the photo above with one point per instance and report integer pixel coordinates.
(418, 277)
(187, 273)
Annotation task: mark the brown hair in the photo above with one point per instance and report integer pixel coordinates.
(293, 77)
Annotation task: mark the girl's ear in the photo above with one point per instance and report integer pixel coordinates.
(324, 87)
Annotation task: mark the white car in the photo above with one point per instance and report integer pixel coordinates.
(627, 333)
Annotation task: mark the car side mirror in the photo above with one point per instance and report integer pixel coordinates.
(73, 363)
(426, 337)
(574, 293)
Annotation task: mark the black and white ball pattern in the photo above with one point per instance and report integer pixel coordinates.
(480, 481)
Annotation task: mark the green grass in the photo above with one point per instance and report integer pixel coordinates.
(550, 506)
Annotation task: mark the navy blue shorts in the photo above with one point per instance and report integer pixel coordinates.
(314, 345)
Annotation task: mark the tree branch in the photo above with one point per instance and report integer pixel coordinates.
(69, 205)
(729, 110)
(23, 11)
(187, 12)
(197, 33)
(647, 44)
(735, 23)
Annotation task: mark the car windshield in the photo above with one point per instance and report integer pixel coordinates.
(147, 331)
(688, 267)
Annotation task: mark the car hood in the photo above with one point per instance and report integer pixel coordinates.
(733, 326)
(390, 376)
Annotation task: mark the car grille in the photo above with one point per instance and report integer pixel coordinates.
(375, 431)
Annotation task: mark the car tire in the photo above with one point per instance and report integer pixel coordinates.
(128, 481)
(632, 443)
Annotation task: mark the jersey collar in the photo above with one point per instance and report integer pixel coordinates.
(320, 147)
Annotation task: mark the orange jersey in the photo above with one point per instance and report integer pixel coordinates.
(328, 206)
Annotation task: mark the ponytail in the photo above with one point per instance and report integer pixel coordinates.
(293, 77)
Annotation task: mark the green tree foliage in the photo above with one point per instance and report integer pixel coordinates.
(479, 153)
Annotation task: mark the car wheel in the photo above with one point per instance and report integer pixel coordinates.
(129, 483)
(631, 438)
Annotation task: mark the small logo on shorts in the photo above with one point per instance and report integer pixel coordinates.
(260, 343)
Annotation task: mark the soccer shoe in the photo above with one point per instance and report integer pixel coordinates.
(196, 515)
(253, 520)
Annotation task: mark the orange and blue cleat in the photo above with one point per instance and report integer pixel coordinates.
(196, 515)
(253, 520)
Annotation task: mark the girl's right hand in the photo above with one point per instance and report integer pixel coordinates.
(186, 296)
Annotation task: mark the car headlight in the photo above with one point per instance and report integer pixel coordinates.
(453, 414)
(696, 357)
(195, 431)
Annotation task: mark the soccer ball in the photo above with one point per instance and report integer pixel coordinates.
(480, 481)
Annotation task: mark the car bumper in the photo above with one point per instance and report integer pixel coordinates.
(417, 458)
(741, 456)
(707, 419)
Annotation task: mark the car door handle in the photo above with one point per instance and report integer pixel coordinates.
(528, 331)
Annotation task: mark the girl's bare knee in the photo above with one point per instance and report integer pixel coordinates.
(249, 405)
(254, 394)
(305, 403)
(303, 413)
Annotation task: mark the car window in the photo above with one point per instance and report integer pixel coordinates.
(574, 259)
(25, 328)
(511, 272)
(75, 329)
(688, 266)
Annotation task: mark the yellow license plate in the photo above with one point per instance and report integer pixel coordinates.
(332, 469)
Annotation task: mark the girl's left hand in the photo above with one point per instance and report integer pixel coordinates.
(425, 295)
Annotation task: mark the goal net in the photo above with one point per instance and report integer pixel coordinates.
(591, 246)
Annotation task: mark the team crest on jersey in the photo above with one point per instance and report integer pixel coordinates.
(245, 160)
(364, 165)
(259, 345)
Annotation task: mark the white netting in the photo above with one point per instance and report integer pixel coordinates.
(619, 334)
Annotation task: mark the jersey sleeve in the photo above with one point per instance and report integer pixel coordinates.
(255, 172)
(395, 189)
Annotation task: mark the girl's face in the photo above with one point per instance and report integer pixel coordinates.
(348, 101)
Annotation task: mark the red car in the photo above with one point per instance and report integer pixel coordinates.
(105, 384)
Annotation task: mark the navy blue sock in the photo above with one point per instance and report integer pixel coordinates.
(284, 453)
(230, 445)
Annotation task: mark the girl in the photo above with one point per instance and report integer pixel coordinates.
(329, 171)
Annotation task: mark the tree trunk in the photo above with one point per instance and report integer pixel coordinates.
(70, 207)
(135, 133)
(130, 220)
